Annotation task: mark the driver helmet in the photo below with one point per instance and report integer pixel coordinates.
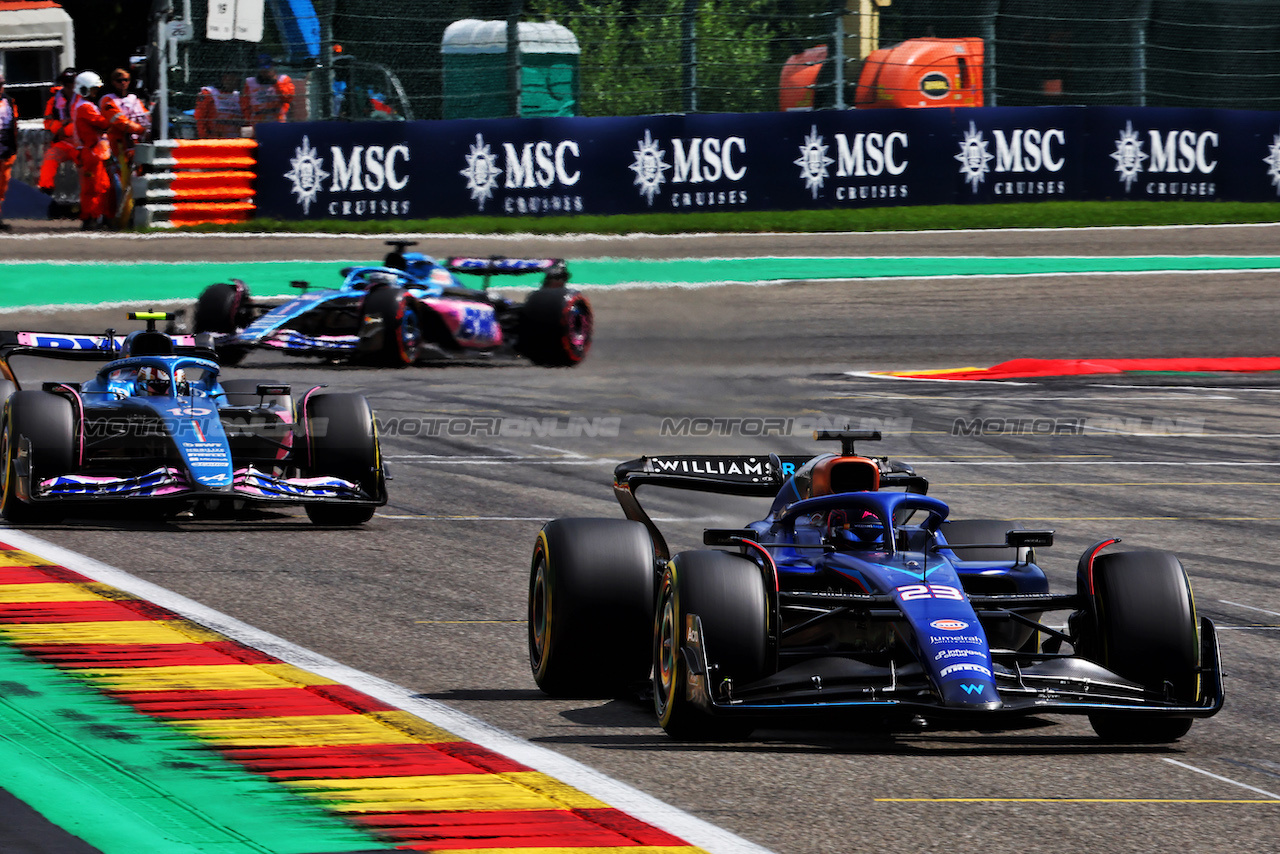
(154, 382)
(859, 529)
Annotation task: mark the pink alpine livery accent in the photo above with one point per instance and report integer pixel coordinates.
(470, 323)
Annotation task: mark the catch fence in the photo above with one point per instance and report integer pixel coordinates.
(370, 59)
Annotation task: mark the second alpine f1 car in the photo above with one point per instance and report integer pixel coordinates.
(856, 594)
(156, 425)
(409, 309)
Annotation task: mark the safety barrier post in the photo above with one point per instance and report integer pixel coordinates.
(193, 182)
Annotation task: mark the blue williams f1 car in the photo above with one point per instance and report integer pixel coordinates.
(410, 309)
(155, 424)
(857, 595)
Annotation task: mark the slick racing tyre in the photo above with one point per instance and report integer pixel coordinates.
(401, 325)
(245, 393)
(1145, 630)
(224, 309)
(555, 327)
(726, 592)
(48, 422)
(220, 308)
(1005, 634)
(591, 587)
(962, 531)
(260, 435)
(347, 447)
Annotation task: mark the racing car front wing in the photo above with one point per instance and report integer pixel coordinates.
(169, 482)
(292, 341)
(1059, 684)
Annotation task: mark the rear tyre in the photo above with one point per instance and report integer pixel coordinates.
(1004, 634)
(960, 531)
(1146, 631)
(401, 325)
(346, 447)
(555, 327)
(245, 393)
(48, 421)
(727, 593)
(591, 584)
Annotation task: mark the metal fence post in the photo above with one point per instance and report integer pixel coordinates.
(1141, 23)
(689, 56)
(513, 53)
(990, 10)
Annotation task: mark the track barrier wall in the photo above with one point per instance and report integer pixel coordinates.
(194, 181)
(757, 161)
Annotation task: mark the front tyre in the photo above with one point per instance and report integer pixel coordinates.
(47, 421)
(591, 585)
(555, 327)
(727, 594)
(401, 324)
(343, 443)
(222, 308)
(1145, 629)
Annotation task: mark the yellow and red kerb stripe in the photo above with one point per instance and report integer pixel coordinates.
(407, 780)
(1032, 368)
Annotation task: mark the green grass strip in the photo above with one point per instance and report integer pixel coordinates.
(31, 284)
(127, 783)
(906, 218)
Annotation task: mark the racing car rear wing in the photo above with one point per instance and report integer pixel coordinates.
(555, 271)
(87, 348)
(754, 476)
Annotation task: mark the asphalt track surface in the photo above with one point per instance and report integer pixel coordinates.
(431, 593)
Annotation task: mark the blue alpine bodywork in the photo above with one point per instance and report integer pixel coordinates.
(878, 603)
(156, 422)
(410, 307)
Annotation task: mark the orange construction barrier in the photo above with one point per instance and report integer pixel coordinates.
(923, 73)
(799, 74)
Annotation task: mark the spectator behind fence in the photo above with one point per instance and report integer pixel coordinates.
(57, 121)
(268, 96)
(8, 143)
(219, 114)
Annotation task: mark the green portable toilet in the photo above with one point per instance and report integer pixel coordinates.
(476, 84)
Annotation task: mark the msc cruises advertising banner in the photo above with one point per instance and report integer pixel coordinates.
(762, 161)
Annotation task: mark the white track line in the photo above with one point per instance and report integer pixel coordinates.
(613, 792)
(1221, 778)
(1250, 608)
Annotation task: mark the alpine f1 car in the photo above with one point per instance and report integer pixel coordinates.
(156, 424)
(856, 594)
(411, 308)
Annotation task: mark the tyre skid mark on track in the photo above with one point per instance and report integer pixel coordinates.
(406, 780)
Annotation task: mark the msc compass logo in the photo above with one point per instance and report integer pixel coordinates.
(974, 157)
(1128, 155)
(1273, 162)
(307, 174)
(650, 166)
(813, 162)
(482, 171)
